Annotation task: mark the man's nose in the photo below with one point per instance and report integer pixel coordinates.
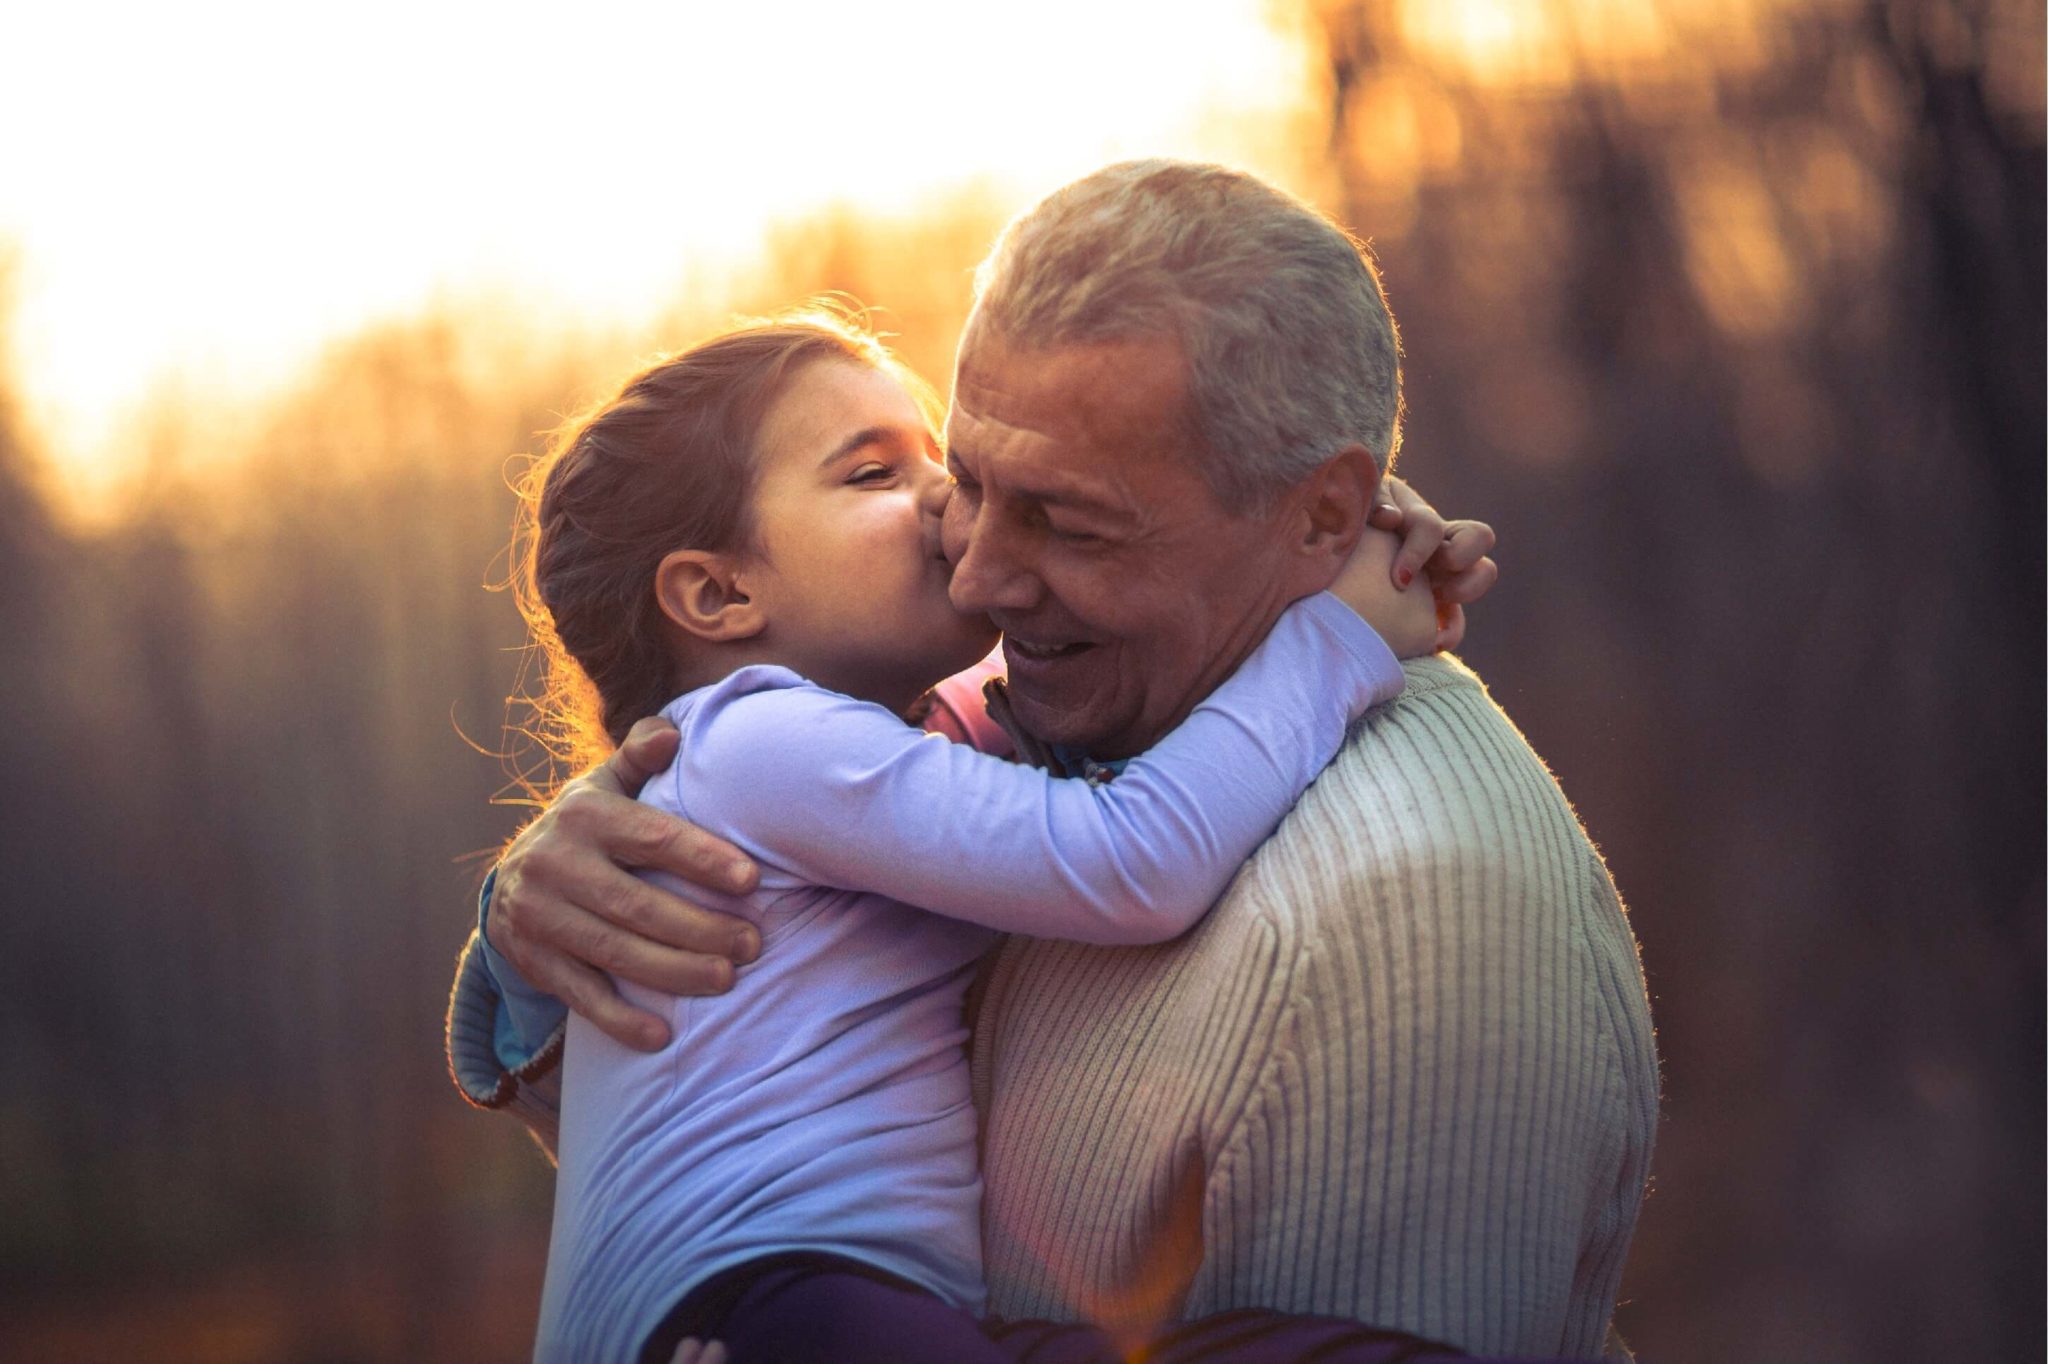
(992, 569)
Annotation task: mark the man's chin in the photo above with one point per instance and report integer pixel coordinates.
(1062, 701)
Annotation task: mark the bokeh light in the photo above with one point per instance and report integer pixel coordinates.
(210, 191)
(1727, 313)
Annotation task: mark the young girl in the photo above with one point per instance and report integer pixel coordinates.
(746, 540)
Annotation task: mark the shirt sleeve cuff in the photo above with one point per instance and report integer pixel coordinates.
(1350, 630)
(527, 1019)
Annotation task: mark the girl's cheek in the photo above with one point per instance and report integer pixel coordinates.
(896, 523)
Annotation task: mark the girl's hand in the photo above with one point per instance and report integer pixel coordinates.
(1405, 617)
(698, 1352)
(1453, 554)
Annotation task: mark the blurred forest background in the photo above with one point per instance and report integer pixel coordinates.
(1729, 317)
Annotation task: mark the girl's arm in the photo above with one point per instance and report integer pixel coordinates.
(839, 792)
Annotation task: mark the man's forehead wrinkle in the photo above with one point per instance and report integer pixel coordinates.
(1094, 487)
(1030, 463)
(1069, 449)
(1112, 381)
(1096, 428)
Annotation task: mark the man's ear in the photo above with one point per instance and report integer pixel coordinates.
(703, 592)
(1334, 503)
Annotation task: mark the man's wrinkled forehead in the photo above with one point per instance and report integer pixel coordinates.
(1120, 392)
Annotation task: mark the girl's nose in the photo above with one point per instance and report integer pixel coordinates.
(934, 489)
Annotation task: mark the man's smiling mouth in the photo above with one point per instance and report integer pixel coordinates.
(1044, 653)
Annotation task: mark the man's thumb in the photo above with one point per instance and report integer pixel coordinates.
(649, 747)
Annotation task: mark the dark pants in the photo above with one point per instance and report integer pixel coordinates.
(827, 1309)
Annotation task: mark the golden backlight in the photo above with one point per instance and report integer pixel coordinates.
(195, 196)
(1543, 42)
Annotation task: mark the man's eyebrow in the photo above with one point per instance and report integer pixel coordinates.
(1073, 500)
(1052, 493)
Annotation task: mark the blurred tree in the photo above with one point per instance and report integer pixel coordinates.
(1727, 314)
(1731, 319)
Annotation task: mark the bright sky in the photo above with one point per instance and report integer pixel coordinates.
(200, 192)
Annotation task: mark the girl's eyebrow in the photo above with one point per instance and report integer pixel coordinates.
(872, 435)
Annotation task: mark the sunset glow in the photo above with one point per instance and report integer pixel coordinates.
(1724, 315)
(1514, 41)
(212, 190)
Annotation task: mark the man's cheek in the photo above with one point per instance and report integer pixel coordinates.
(955, 524)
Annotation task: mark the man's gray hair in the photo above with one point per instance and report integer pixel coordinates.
(1291, 352)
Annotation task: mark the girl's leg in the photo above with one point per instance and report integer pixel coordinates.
(814, 1314)
(1256, 1336)
(815, 1308)
(1244, 1336)
(823, 1309)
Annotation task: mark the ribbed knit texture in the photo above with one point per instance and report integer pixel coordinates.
(1403, 1073)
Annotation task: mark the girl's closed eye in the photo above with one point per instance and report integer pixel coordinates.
(872, 474)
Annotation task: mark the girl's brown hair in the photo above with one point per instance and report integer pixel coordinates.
(667, 463)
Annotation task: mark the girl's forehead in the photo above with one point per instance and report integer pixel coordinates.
(831, 403)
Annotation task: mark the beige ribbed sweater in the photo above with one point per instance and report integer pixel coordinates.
(1402, 1073)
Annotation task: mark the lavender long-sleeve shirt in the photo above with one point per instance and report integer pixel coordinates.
(823, 1104)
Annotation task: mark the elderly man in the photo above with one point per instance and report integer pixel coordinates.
(1403, 1073)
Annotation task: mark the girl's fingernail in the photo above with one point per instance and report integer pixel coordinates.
(1405, 576)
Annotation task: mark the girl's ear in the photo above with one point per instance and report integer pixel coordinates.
(702, 592)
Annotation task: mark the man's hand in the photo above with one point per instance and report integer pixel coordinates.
(565, 909)
(1453, 554)
(1405, 617)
